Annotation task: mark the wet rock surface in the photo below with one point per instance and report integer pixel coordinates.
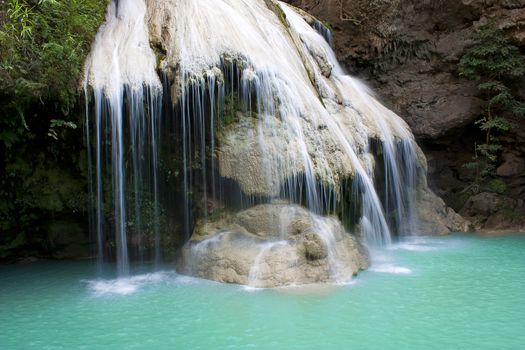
(273, 245)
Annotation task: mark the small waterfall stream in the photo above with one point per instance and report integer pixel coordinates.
(227, 104)
(257, 268)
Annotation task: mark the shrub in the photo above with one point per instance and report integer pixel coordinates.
(497, 186)
(498, 66)
(43, 44)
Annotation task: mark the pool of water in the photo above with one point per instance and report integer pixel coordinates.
(457, 292)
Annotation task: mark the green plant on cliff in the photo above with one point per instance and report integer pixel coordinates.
(43, 44)
(498, 66)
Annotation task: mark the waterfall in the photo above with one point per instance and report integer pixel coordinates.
(194, 107)
(122, 76)
(256, 269)
(325, 32)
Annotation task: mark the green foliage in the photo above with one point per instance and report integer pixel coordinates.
(493, 56)
(327, 25)
(57, 125)
(43, 44)
(232, 105)
(281, 14)
(497, 65)
(6, 250)
(151, 219)
(497, 186)
(42, 48)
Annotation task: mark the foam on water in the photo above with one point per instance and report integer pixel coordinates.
(130, 285)
(304, 289)
(388, 268)
(384, 261)
(419, 244)
(412, 247)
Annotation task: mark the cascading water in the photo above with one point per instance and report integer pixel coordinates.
(252, 111)
(124, 82)
(256, 269)
(324, 31)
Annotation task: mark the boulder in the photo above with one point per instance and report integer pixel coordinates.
(485, 204)
(494, 213)
(435, 218)
(273, 245)
(513, 165)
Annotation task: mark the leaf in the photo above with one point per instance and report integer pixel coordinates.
(519, 109)
(503, 98)
(471, 165)
(498, 123)
(492, 85)
(59, 123)
(8, 137)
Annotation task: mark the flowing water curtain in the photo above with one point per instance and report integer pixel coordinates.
(254, 116)
(125, 113)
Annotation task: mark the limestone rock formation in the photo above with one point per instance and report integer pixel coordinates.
(409, 52)
(310, 116)
(273, 245)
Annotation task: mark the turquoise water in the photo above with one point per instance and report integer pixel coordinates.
(458, 292)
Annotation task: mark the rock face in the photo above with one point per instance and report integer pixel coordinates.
(68, 240)
(492, 213)
(273, 245)
(436, 218)
(306, 117)
(409, 51)
(513, 165)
